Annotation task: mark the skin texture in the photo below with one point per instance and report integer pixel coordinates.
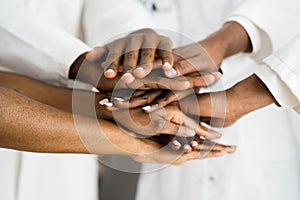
(38, 121)
(247, 96)
(207, 55)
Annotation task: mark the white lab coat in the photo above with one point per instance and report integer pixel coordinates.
(266, 164)
(41, 39)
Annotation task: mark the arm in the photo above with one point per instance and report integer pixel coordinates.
(28, 125)
(58, 97)
(206, 56)
(222, 109)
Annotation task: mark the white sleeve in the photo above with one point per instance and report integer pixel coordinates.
(105, 21)
(281, 74)
(31, 47)
(277, 22)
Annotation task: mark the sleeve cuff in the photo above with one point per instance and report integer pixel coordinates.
(277, 85)
(68, 59)
(254, 32)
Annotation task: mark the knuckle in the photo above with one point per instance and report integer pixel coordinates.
(147, 54)
(131, 56)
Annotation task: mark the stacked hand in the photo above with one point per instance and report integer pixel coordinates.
(151, 88)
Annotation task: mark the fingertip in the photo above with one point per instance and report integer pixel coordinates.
(217, 75)
(147, 108)
(166, 66)
(194, 143)
(209, 79)
(187, 148)
(110, 73)
(171, 73)
(103, 101)
(139, 72)
(175, 145)
(231, 149)
(119, 99)
(127, 78)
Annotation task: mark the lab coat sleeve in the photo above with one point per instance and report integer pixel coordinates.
(281, 74)
(105, 21)
(31, 47)
(277, 22)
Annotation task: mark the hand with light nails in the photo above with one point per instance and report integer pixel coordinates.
(184, 65)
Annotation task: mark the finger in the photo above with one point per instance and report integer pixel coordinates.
(164, 51)
(107, 104)
(187, 148)
(195, 155)
(96, 54)
(178, 130)
(199, 129)
(115, 51)
(173, 84)
(175, 145)
(130, 60)
(211, 154)
(128, 77)
(193, 64)
(131, 56)
(137, 101)
(167, 99)
(210, 145)
(145, 64)
(208, 79)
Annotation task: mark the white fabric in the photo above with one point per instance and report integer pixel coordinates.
(266, 164)
(281, 74)
(41, 39)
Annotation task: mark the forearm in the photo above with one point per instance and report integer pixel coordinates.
(251, 93)
(57, 97)
(31, 126)
(246, 96)
(229, 40)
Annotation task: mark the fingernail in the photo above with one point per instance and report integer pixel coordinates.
(217, 75)
(167, 66)
(176, 143)
(119, 99)
(184, 85)
(150, 108)
(209, 79)
(109, 72)
(154, 106)
(146, 108)
(139, 72)
(103, 101)
(194, 143)
(186, 147)
(139, 69)
(187, 132)
(127, 78)
(109, 104)
(171, 73)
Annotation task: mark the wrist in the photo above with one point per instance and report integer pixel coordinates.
(252, 95)
(215, 47)
(74, 68)
(231, 39)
